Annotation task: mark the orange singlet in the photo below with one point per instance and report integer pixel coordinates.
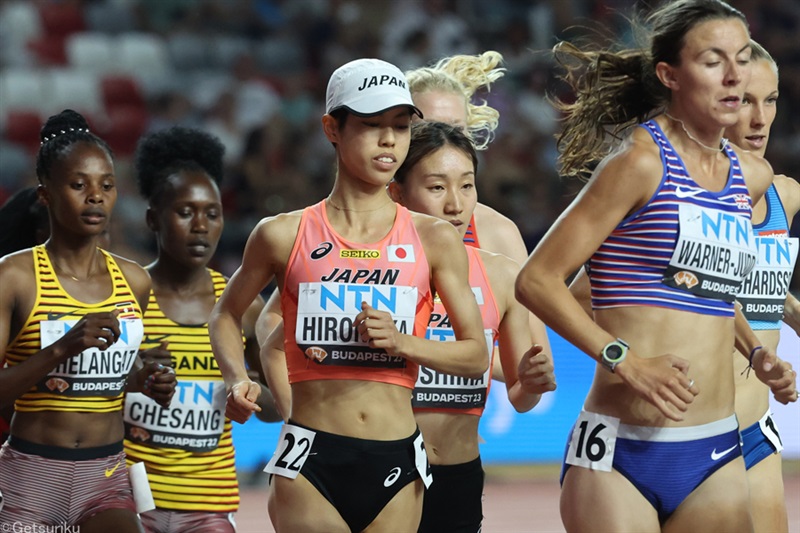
(437, 391)
(327, 278)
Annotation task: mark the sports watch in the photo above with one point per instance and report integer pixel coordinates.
(613, 354)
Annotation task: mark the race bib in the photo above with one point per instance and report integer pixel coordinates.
(715, 252)
(593, 439)
(194, 421)
(421, 461)
(763, 293)
(326, 331)
(439, 390)
(294, 444)
(92, 372)
(770, 431)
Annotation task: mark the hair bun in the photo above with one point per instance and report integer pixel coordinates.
(66, 121)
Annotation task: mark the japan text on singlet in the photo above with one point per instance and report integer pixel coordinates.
(437, 391)
(688, 248)
(187, 448)
(763, 293)
(327, 278)
(93, 380)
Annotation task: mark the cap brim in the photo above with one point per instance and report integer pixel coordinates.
(414, 110)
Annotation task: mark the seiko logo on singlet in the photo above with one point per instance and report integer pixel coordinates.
(366, 276)
(360, 254)
(322, 250)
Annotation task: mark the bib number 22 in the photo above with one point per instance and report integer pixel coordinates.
(294, 443)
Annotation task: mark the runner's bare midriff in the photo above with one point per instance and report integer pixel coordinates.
(360, 409)
(703, 340)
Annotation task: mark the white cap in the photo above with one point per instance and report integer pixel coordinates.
(368, 87)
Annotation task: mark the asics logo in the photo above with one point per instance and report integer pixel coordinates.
(322, 250)
(717, 456)
(394, 475)
(111, 471)
(685, 192)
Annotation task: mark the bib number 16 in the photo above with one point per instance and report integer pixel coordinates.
(592, 442)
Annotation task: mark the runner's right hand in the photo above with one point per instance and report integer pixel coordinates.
(241, 401)
(94, 330)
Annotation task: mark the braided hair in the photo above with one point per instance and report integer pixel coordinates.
(57, 137)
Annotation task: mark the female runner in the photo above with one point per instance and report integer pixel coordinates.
(357, 274)
(650, 451)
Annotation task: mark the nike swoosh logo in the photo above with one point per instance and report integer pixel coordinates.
(110, 472)
(153, 340)
(58, 316)
(681, 192)
(717, 456)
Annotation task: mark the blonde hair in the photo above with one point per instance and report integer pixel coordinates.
(464, 74)
(760, 54)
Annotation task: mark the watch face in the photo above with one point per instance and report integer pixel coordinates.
(613, 352)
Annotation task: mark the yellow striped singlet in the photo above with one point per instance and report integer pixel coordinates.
(92, 381)
(187, 448)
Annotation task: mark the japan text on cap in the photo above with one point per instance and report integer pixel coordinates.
(368, 87)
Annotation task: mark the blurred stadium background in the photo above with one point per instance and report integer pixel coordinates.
(253, 72)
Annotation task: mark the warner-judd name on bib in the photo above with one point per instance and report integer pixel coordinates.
(326, 330)
(714, 253)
